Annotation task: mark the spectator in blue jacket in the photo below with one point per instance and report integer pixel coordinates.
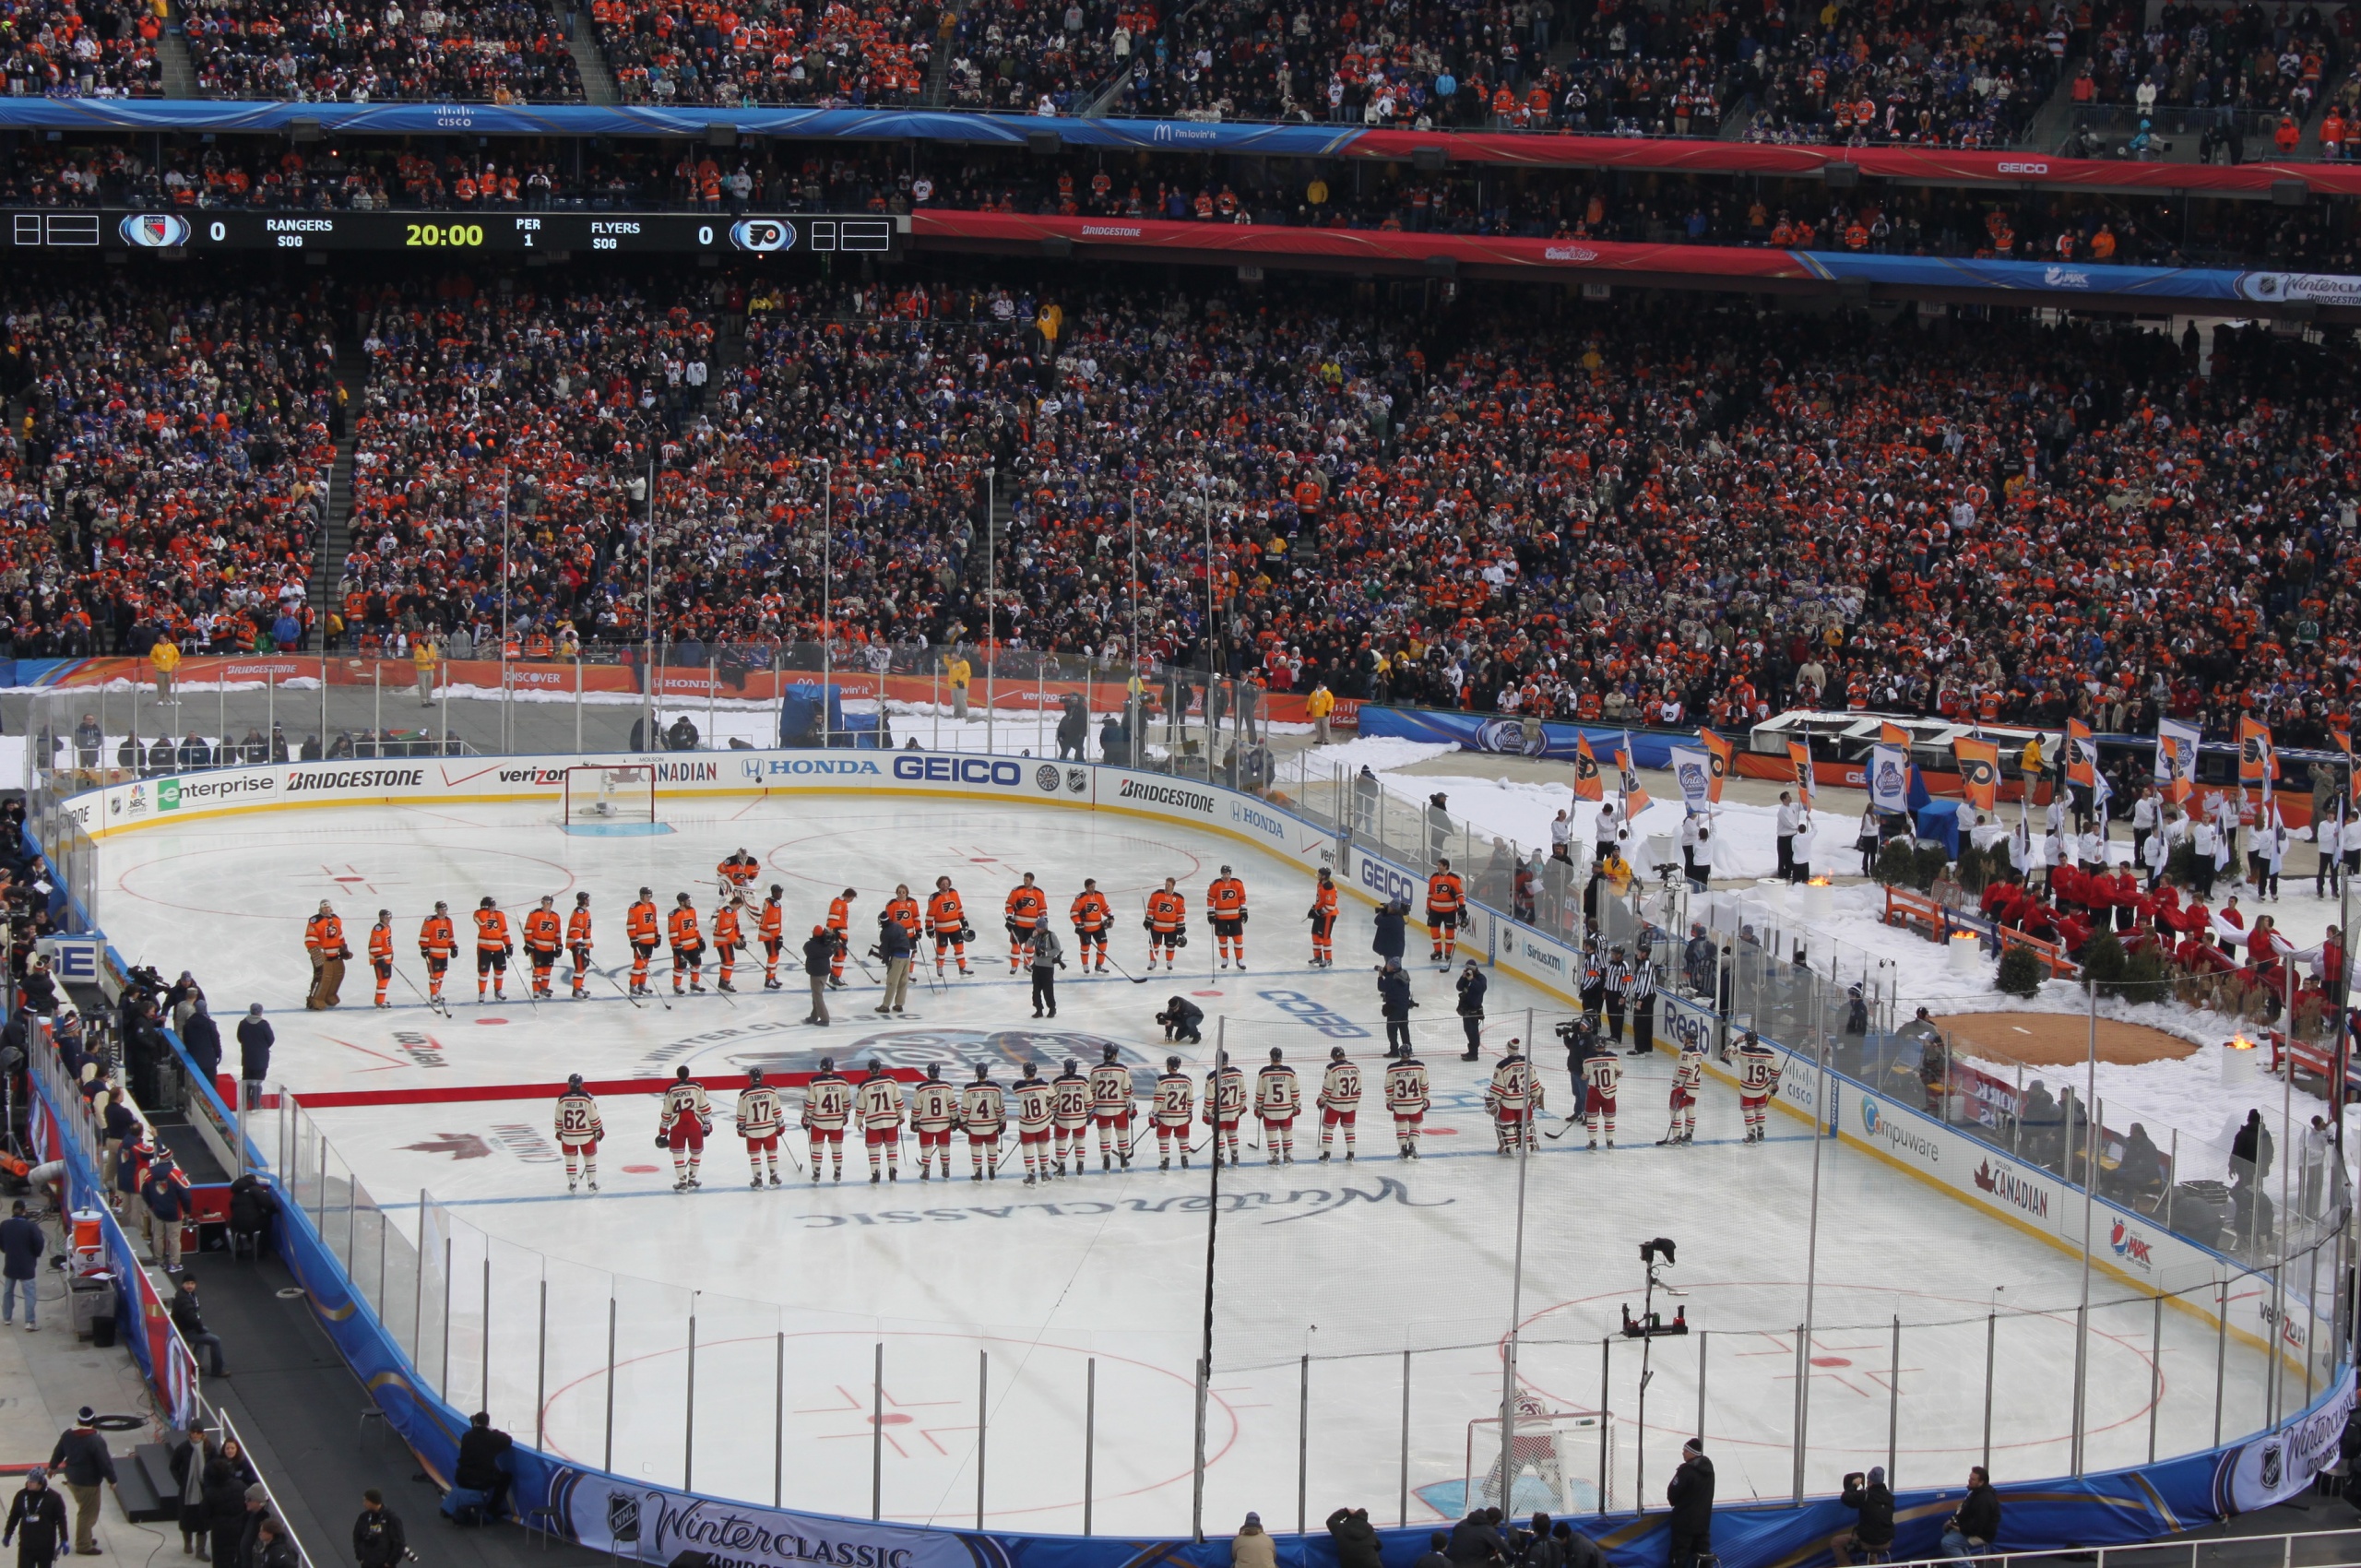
(21, 1246)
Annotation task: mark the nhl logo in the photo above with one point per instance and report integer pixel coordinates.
(2271, 1465)
(623, 1516)
(1046, 777)
(1078, 780)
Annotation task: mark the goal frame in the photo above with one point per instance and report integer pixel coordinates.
(633, 797)
(1578, 1435)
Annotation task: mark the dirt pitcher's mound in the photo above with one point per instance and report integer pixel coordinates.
(2059, 1039)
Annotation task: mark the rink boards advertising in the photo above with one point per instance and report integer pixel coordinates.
(653, 1523)
(196, 230)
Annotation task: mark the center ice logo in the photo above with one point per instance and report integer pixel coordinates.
(956, 1051)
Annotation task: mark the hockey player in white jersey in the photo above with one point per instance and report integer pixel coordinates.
(983, 1112)
(1688, 1080)
(1110, 1109)
(1278, 1100)
(934, 1111)
(682, 1125)
(1071, 1111)
(880, 1107)
(578, 1131)
(759, 1121)
(1340, 1101)
(1601, 1072)
(1509, 1098)
(1225, 1107)
(1176, 1099)
(1758, 1080)
(828, 1106)
(1407, 1097)
(1036, 1117)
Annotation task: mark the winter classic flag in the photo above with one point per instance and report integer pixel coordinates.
(1635, 800)
(1890, 778)
(1800, 758)
(1694, 769)
(1724, 759)
(1587, 786)
(2175, 758)
(1979, 773)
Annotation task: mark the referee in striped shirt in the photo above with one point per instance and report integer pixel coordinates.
(1618, 975)
(1639, 991)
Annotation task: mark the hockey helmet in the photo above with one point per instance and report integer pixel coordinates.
(1225, 871)
(983, 1071)
(934, 1071)
(1070, 1064)
(754, 1077)
(484, 902)
(582, 898)
(777, 891)
(827, 1063)
(1107, 1055)
(1276, 1053)
(573, 1080)
(681, 1074)
(1335, 1053)
(1172, 1063)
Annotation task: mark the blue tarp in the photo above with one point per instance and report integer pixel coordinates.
(1490, 733)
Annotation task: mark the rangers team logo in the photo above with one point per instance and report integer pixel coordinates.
(1078, 780)
(1046, 778)
(154, 230)
(762, 235)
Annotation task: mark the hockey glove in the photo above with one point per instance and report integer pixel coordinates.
(662, 1140)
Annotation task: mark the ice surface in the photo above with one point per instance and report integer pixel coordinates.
(793, 1291)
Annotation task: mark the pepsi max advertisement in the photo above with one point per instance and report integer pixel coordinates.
(193, 230)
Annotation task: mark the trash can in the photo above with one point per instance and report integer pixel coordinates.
(90, 1298)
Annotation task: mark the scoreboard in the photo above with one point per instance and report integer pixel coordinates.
(654, 234)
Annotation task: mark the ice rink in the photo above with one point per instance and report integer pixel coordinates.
(1088, 1297)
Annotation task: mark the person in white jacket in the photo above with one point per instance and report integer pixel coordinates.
(2267, 852)
(2153, 854)
(2328, 836)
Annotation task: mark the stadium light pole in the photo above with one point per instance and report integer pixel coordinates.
(827, 582)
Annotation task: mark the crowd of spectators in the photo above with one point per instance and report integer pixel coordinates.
(1647, 512)
(1647, 515)
(165, 464)
(80, 48)
(496, 51)
(2190, 60)
(872, 55)
(1922, 74)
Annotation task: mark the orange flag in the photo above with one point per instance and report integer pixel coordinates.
(1799, 753)
(1725, 759)
(2080, 754)
(1588, 784)
(1979, 773)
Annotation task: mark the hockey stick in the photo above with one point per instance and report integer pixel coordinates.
(1136, 979)
(434, 1004)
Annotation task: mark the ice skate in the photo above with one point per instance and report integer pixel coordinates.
(1349, 1157)
(1028, 1178)
(1106, 1160)
(1165, 1164)
(569, 1184)
(771, 985)
(755, 1181)
(725, 985)
(594, 1183)
(1323, 1157)
(774, 1178)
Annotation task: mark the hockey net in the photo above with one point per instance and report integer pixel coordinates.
(604, 792)
(1559, 1462)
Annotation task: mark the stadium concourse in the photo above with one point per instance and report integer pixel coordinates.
(446, 1117)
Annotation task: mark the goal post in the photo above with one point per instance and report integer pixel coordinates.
(610, 795)
(1559, 1462)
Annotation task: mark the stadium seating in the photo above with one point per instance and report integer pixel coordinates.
(171, 464)
(81, 48)
(496, 51)
(861, 54)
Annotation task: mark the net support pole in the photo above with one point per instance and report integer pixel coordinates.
(1516, 1313)
(608, 1461)
(417, 1285)
(483, 1346)
(1302, 1436)
(443, 1382)
(1205, 1350)
(1701, 1336)
(1606, 1457)
(2090, 1205)
(2220, 1350)
(1402, 1519)
(1991, 1343)
(2155, 1372)
(577, 705)
(1893, 1404)
(542, 1369)
(779, 1418)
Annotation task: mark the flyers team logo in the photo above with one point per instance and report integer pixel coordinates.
(1979, 774)
(2252, 752)
(154, 230)
(762, 235)
(1585, 769)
